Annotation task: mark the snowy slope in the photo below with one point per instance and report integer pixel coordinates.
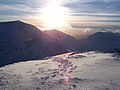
(70, 71)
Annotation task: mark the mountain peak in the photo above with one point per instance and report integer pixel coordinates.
(17, 21)
(21, 41)
(57, 33)
(17, 25)
(102, 34)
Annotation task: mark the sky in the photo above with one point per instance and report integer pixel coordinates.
(67, 14)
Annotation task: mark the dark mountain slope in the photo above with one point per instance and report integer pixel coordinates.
(101, 41)
(64, 39)
(20, 42)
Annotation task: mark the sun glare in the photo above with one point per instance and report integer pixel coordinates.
(54, 16)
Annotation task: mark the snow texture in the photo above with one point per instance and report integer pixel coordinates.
(70, 71)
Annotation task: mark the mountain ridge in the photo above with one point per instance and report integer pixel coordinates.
(20, 41)
(101, 41)
(66, 40)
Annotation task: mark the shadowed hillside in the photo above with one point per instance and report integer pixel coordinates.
(64, 39)
(100, 41)
(20, 41)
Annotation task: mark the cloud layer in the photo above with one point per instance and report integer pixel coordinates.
(80, 10)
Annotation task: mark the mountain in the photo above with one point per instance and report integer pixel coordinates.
(20, 41)
(63, 39)
(100, 41)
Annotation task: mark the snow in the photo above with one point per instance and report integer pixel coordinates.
(70, 71)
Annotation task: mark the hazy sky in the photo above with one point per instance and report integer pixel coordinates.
(73, 13)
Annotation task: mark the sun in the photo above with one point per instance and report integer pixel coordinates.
(54, 16)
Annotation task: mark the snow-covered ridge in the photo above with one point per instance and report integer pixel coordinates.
(70, 71)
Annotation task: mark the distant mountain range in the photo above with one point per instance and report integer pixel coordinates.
(100, 41)
(20, 41)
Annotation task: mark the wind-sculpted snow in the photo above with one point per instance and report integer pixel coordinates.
(65, 67)
(70, 71)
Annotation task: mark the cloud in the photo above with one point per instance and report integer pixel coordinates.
(76, 6)
(100, 26)
(102, 11)
(94, 6)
